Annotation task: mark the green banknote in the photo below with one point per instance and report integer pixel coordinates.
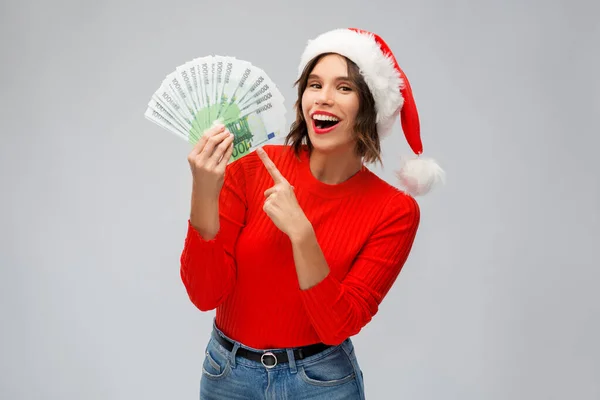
(221, 89)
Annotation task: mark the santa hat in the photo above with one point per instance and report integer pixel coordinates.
(392, 93)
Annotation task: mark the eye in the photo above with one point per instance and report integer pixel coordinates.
(315, 85)
(346, 88)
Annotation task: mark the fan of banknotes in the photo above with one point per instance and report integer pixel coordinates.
(219, 89)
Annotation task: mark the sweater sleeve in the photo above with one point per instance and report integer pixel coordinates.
(340, 309)
(208, 268)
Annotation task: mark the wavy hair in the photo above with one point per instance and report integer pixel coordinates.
(368, 145)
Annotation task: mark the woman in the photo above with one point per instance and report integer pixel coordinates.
(296, 246)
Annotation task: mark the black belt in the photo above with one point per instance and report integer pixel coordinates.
(270, 359)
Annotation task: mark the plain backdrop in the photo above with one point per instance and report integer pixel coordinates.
(499, 298)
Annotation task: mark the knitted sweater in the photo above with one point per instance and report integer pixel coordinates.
(364, 226)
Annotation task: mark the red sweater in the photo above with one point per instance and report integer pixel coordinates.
(364, 226)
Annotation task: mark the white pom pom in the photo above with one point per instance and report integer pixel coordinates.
(418, 176)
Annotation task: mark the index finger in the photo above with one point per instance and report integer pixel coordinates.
(212, 131)
(271, 168)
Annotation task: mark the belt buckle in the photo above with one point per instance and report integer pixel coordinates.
(268, 353)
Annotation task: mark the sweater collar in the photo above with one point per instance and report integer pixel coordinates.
(354, 185)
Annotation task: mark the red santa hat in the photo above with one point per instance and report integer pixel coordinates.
(392, 93)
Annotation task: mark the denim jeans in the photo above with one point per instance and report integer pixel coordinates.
(331, 374)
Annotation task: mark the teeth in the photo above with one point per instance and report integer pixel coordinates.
(321, 117)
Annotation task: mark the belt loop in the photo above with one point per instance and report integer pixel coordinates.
(292, 361)
(348, 347)
(236, 346)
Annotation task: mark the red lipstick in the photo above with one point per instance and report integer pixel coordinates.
(322, 131)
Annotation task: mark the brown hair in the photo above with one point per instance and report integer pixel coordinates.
(365, 128)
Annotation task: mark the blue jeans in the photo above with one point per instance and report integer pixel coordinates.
(331, 374)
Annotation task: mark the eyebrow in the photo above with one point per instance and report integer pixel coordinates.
(337, 78)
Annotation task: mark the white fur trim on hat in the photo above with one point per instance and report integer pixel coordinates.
(419, 175)
(378, 70)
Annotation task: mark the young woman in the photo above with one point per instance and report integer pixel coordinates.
(296, 246)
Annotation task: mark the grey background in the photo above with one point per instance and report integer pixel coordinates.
(499, 298)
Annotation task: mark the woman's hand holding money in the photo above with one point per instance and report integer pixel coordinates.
(208, 160)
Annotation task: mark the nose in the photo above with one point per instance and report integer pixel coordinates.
(324, 98)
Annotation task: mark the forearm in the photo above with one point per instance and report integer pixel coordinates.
(311, 266)
(204, 214)
(206, 267)
(207, 270)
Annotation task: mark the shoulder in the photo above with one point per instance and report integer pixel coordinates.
(250, 167)
(394, 203)
(283, 157)
(274, 151)
(279, 152)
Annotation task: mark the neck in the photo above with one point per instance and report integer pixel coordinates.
(334, 168)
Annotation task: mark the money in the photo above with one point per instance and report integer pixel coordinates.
(157, 110)
(160, 120)
(222, 89)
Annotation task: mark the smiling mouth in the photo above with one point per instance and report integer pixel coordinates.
(324, 123)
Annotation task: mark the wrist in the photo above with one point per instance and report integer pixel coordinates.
(302, 232)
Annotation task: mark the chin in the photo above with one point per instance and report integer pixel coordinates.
(329, 144)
